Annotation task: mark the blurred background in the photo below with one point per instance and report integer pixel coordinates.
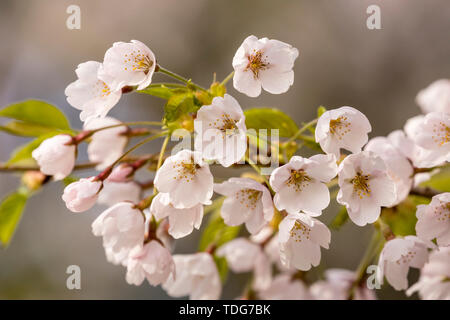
(341, 62)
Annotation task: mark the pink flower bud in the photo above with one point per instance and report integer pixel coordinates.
(81, 195)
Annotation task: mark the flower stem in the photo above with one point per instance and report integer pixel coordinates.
(300, 131)
(228, 78)
(180, 78)
(258, 170)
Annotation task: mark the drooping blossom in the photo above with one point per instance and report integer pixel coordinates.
(181, 221)
(342, 128)
(247, 201)
(338, 285)
(435, 97)
(56, 156)
(221, 131)
(122, 229)
(106, 146)
(300, 238)
(286, 287)
(196, 277)
(265, 63)
(398, 256)
(434, 220)
(434, 278)
(81, 195)
(152, 262)
(90, 94)
(183, 172)
(365, 187)
(398, 166)
(300, 185)
(128, 64)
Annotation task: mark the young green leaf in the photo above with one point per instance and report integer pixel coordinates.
(268, 118)
(25, 129)
(11, 209)
(178, 105)
(217, 232)
(162, 92)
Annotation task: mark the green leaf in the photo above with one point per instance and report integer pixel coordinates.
(162, 92)
(22, 155)
(320, 111)
(440, 181)
(11, 209)
(402, 218)
(25, 129)
(269, 118)
(217, 232)
(178, 105)
(36, 112)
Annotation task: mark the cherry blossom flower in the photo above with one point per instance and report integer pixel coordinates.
(81, 195)
(247, 201)
(90, 94)
(300, 238)
(398, 166)
(265, 63)
(434, 220)
(365, 187)
(398, 256)
(122, 229)
(433, 134)
(345, 128)
(433, 283)
(128, 64)
(56, 156)
(181, 221)
(221, 131)
(152, 262)
(196, 276)
(338, 285)
(121, 173)
(182, 172)
(106, 146)
(435, 97)
(300, 184)
(115, 192)
(243, 255)
(286, 287)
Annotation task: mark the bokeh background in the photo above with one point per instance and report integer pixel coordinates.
(341, 63)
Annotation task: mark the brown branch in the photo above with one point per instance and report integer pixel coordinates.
(424, 192)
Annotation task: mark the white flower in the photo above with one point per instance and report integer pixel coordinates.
(263, 63)
(81, 195)
(122, 229)
(338, 285)
(433, 283)
(196, 276)
(128, 64)
(365, 187)
(152, 262)
(115, 192)
(221, 131)
(434, 220)
(398, 166)
(181, 221)
(300, 238)
(345, 128)
(186, 178)
(243, 255)
(285, 287)
(247, 201)
(433, 134)
(90, 94)
(106, 146)
(435, 97)
(56, 156)
(398, 256)
(300, 184)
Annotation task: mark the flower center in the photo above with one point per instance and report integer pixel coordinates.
(406, 258)
(101, 89)
(186, 170)
(442, 211)
(339, 127)
(256, 63)
(298, 179)
(225, 124)
(137, 61)
(361, 184)
(249, 197)
(441, 134)
(300, 232)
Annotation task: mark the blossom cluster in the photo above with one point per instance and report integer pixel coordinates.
(139, 229)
